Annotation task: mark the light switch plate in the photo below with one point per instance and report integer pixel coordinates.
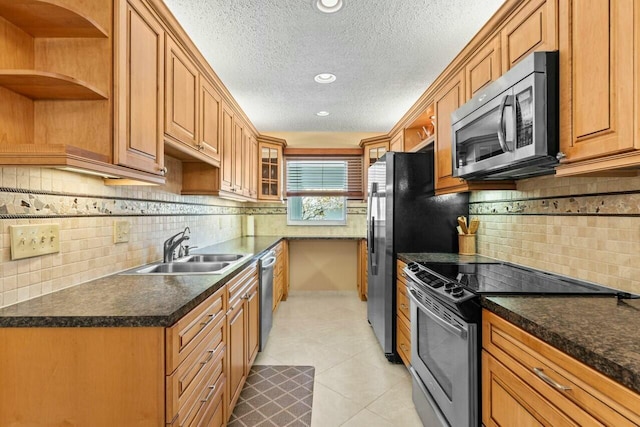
(34, 240)
(121, 231)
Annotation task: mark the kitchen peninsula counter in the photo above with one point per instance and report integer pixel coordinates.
(131, 300)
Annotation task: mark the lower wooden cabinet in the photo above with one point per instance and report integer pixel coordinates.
(189, 374)
(526, 382)
(243, 329)
(362, 269)
(281, 274)
(403, 315)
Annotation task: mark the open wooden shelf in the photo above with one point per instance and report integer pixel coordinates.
(420, 145)
(46, 85)
(47, 19)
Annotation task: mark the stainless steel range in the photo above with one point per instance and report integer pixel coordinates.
(445, 330)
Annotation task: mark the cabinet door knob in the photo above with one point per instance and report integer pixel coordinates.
(560, 155)
(163, 170)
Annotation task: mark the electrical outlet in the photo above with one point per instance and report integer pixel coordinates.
(121, 231)
(34, 240)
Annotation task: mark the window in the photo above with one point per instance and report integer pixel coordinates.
(318, 188)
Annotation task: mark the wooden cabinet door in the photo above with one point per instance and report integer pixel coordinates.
(397, 143)
(253, 167)
(238, 159)
(447, 100)
(210, 132)
(139, 83)
(246, 164)
(253, 325)
(533, 28)
(236, 348)
(483, 67)
(228, 156)
(270, 164)
(597, 77)
(182, 90)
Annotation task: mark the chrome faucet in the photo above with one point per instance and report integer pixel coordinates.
(172, 243)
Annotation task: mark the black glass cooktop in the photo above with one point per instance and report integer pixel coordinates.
(508, 279)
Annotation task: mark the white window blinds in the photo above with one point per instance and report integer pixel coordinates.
(324, 176)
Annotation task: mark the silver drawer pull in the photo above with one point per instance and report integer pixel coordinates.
(539, 372)
(208, 359)
(203, 324)
(404, 306)
(211, 390)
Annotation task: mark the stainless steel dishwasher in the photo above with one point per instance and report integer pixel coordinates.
(266, 296)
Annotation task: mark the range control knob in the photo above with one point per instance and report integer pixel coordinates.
(457, 292)
(448, 287)
(413, 266)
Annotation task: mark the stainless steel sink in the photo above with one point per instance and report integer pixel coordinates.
(181, 267)
(211, 258)
(191, 264)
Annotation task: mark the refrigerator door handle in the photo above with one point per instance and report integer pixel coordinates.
(372, 231)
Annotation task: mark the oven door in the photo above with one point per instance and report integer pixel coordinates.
(444, 356)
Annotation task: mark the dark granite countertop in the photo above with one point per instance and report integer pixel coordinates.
(444, 257)
(325, 237)
(124, 300)
(598, 331)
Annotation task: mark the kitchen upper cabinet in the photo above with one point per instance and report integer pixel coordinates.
(374, 148)
(57, 110)
(527, 382)
(532, 28)
(270, 167)
(483, 67)
(239, 145)
(181, 98)
(228, 149)
(139, 78)
(210, 119)
(253, 167)
(448, 99)
(599, 77)
(397, 143)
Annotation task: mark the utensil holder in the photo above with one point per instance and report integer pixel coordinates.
(467, 244)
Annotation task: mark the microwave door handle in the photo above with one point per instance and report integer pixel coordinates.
(501, 135)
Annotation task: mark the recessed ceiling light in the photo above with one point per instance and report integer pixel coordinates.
(322, 113)
(325, 78)
(328, 6)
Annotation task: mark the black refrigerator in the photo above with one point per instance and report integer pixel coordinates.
(403, 215)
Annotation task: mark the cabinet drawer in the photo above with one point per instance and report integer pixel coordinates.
(181, 384)
(403, 340)
(211, 413)
(542, 366)
(402, 300)
(186, 334)
(236, 286)
(510, 401)
(210, 386)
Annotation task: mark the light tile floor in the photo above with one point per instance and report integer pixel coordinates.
(354, 384)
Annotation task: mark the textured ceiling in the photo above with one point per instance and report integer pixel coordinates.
(385, 53)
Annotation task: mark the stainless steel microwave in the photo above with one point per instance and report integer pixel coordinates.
(510, 129)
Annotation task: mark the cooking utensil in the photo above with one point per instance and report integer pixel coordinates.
(462, 223)
(459, 230)
(473, 226)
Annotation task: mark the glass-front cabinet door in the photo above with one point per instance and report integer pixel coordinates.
(270, 170)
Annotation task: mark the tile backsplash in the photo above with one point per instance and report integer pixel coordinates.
(86, 210)
(587, 228)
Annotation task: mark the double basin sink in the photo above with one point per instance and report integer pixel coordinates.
(192, 264)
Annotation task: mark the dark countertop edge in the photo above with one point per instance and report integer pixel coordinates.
(606, 367)
(324, 237)
(130, 321)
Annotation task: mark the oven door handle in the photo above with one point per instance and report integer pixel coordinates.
(448, 326)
